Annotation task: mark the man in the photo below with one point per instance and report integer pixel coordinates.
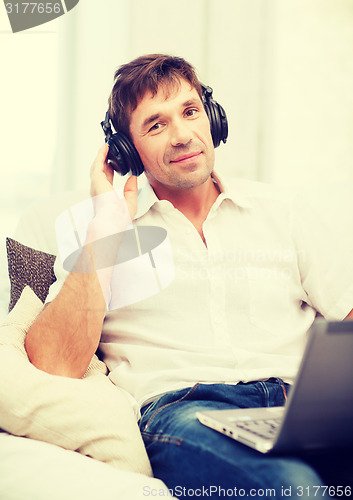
(230, 329)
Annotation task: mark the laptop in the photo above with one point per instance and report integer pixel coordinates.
(319, 410)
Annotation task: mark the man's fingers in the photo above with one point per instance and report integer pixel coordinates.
(101, 157)
(131, 184)
(103, 152)
(102, 174)
(130, 194)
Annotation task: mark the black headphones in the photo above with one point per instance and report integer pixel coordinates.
(123, 155)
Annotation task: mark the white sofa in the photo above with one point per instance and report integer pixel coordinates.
(34, 470)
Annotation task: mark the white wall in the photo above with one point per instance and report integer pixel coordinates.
(282, 69)
(311, 118)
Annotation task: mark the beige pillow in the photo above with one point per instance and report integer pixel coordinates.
(90, 415)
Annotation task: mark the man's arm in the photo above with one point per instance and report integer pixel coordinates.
(66, 334)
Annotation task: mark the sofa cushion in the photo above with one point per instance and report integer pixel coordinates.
(28, 267)
(88, 415)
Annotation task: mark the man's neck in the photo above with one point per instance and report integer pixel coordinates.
(195, 203)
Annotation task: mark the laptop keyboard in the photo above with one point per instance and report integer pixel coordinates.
(264, 428)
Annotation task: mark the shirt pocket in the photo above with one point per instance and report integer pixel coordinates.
(269, 305)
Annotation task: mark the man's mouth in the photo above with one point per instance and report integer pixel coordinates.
(187, 157)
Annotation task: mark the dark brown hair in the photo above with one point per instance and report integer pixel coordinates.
(145, 74)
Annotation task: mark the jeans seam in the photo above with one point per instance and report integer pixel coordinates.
(147, 436)
(283, 389)
(243, 469)
(193, 389)
(263, 389)
(264, 393)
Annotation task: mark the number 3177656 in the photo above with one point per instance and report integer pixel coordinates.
(33, 8)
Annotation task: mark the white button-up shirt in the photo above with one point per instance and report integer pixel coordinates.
(236, 310)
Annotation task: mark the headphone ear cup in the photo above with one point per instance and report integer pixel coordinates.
(217, 117)
(115, 157)
(123, 155)
(222, 124)
(214, 122)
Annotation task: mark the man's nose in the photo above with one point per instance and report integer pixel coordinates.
(180, 134)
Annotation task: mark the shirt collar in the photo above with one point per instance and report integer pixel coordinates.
(147, 197)
(231, 191)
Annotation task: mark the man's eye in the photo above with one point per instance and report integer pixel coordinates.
(155, 127)
(191, 112)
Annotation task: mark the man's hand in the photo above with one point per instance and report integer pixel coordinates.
(102, 175)
(130, 195)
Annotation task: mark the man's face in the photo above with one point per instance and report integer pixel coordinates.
(171, 133)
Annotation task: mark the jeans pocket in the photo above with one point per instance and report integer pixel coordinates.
(163, 402)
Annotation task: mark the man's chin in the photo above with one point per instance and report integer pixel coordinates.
(185, 178)
(192, 178)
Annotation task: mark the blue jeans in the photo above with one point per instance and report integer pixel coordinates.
(194, 460)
